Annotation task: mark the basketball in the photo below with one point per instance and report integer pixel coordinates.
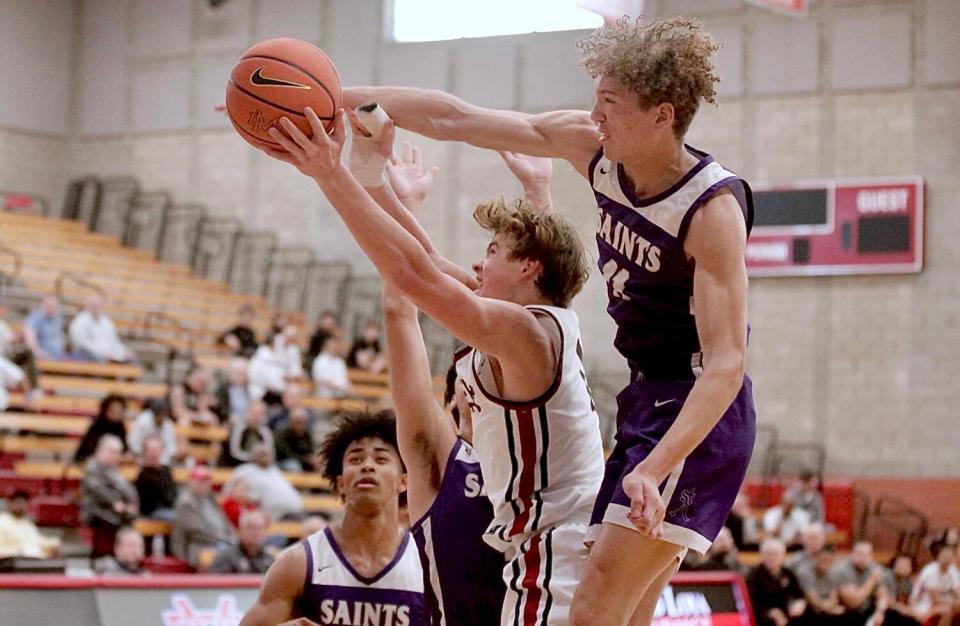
(279, 78)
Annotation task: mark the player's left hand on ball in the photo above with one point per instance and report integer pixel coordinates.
(317, 156)
(646, 505)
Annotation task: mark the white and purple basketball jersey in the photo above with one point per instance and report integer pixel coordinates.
(335, 593)
(649, 277)
(542, 461)
(463, 575)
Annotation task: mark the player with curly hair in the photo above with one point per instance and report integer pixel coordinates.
(671, 235)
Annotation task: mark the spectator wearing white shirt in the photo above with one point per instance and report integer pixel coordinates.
(11, 377)
(274, 364)
(94, 336)
(267, 484)
(786, 521)
(936, 593)
(330, 370)
(155, 421)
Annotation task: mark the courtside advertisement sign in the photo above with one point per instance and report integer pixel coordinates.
(838, 227)
(704, 599)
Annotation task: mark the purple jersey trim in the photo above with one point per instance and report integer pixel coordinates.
(308, 577)
(451, 459)
(705, 197)
(543, 398)
(364, 579)
(628, 190)
(593, 164)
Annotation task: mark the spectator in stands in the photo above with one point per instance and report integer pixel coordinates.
(246, 433)
(330, 371)
(275, 364)
(291, 400)
(241, 339)
(233, 395)
(901, 597)
(95, 338)
(863, 584)
(248, 556)
(107, 500)
(813, 539)
(19, 535)
(268, 486)
(821, 589)
(937, 594)
(366, 353)
(43, 331)
(720, 556)
(327, 327)
(13, 346)
(777, 597)
(155, 485)
(950, 537)
(742, 523)
(128, 554)
(198, 521)
(294, 443)
(11, 377)
(155, 421)
(785, 521)
(108, 421)
(805, 495)
(192, 402)
(235, 499)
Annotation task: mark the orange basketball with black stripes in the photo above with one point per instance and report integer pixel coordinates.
(279, 78)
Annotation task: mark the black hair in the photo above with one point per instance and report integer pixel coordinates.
(107, 401)
(353, 426)
(20, 494)
(450, 390)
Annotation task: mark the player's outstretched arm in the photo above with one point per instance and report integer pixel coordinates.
(408, 179)
(425, 433)
(503, 330)
(717, 241)
(282, 586)
(568, 135)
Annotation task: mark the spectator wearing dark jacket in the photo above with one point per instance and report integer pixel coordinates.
(778, 599)
(155, 485)
(241, 339)
(295, 448)
(108, 421)
(107, 500)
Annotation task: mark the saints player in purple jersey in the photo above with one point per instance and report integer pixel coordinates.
(671, 235)
(364, 570)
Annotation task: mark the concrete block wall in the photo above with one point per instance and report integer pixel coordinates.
(858, 88)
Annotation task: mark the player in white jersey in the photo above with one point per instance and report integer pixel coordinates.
(364, 570)
(649, 82)
(525, 377)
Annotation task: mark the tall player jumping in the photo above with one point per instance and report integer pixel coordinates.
(671, 236)
(535, 431)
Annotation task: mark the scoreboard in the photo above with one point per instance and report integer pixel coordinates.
(838, 227)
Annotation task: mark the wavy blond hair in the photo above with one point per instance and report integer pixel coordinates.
(544, 237)
(664, 61)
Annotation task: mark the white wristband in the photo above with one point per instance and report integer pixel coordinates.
(366, 164)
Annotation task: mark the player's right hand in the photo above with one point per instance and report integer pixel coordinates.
(318, 156)
(646, 504)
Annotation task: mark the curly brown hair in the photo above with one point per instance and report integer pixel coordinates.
(664, 61)
(544, 237)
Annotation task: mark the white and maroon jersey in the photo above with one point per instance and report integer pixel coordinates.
(542, 461)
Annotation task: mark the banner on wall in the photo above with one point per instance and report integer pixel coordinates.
(794, 8)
